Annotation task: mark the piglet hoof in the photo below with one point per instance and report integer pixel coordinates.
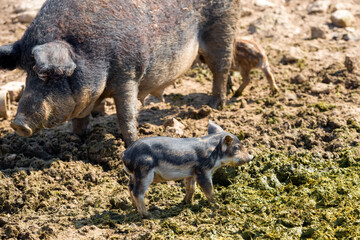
(187, 200)
(214, 205)
(237, 94)
(145, 215)
(217, 103)
(275, 92)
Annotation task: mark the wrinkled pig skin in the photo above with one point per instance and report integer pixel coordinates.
(78, 52)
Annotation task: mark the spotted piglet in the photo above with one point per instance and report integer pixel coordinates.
(158, 159)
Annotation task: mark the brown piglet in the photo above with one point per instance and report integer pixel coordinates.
(247, 56)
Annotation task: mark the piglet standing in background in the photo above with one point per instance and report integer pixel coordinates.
(247, 56)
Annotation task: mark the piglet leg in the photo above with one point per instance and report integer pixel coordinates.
(270, 78)
(245, 74)
(141, 184)
(205, 183)
(190, 189)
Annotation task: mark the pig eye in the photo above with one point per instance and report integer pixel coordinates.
(43, 77)
(236, 148)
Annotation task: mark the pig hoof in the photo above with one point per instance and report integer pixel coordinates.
(187, 200)
(217, 103)
(214, 205)
(81, 132)
(274, 92)
(237, 94)
(146, 215)
(80, 126)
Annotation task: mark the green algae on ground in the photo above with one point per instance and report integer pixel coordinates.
(323, 106)
(353, 124)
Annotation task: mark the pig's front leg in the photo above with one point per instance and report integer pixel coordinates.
(126, 109)
(218, 100)
(204, 180)
(80, 125)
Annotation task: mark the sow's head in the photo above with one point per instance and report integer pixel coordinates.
(52, 94)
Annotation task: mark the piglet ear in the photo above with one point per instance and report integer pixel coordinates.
(214, 128)
(53, 58)
(9, 56)
(226, 142)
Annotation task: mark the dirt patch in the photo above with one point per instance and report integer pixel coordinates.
(303, 182)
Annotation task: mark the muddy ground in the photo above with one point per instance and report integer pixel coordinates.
(303, 182)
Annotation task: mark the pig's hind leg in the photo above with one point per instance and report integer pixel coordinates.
(131, 188)
(270, 78)
(190, 189)
(141, 184)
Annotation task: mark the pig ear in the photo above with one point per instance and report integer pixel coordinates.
(226, 142)
(9, 55)
(214, 128)
(54, 58)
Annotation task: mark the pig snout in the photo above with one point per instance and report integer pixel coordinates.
(21, 127)
(30, 117)
(248, 159)
(245, 158)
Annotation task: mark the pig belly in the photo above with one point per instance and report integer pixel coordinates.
(168, 172)
(165, 73)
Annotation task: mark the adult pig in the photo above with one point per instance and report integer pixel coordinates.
(78, 52)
